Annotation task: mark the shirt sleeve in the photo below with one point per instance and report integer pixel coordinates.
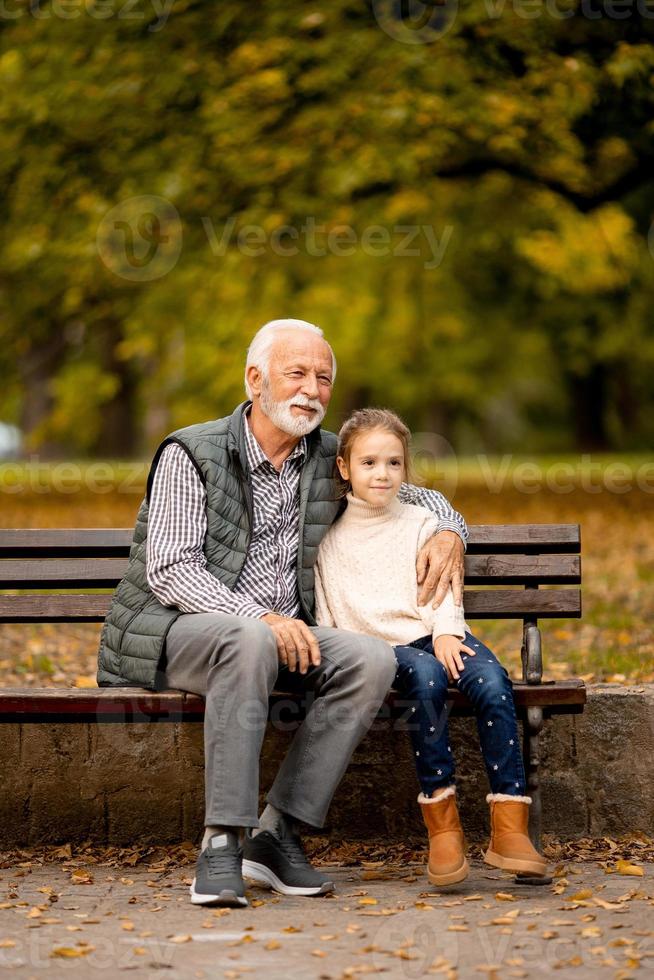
(448, 518)
(176, 565)
(447, 619)
(323, 613)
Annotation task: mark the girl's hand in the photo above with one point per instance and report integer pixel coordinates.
(447, 650)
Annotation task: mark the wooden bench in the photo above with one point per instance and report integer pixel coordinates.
(47, 576)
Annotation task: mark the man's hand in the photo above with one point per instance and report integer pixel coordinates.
(439, 562)
(447, 650)
(297, 646)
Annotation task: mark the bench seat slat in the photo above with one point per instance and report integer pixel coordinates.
(69, 705)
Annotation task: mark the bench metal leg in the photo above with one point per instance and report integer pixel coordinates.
(531, 753)
(532, 728)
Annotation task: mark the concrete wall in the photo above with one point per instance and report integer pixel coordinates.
(144, 783)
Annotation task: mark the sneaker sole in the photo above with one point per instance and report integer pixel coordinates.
(263, 875)
(225, 897)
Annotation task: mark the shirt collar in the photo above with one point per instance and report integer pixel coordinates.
(256, 455)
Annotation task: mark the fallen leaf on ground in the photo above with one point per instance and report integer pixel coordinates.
(81, 877)
(69, 952)
(601, 903)
(581, 896)
(626, 868)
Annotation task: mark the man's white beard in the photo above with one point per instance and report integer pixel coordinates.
(280, 414)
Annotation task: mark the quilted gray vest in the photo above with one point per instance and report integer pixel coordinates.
(132, 644)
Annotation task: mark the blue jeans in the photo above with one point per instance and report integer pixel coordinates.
(422, 680)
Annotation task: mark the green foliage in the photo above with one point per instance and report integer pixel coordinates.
(530, 139)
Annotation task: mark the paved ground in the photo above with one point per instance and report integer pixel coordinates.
(55, 922)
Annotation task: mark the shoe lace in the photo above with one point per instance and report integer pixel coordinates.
(224, 860)
(291, 847)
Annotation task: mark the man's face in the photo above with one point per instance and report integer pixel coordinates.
(298, 386)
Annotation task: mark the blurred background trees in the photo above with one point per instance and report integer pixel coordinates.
(147, 167)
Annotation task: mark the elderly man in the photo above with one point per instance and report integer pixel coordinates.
(218, 600)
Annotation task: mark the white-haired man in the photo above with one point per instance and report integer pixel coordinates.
(218, 600)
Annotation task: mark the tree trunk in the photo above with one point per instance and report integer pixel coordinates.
(37, 367)
(119, 434)
(588, 398)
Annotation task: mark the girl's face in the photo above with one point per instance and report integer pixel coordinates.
(376, 466)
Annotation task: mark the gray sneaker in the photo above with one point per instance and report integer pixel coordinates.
(218, 878)
(281, 863)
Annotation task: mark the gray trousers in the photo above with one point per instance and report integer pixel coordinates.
(232, 662)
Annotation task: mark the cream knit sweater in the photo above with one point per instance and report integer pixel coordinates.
(366, 575)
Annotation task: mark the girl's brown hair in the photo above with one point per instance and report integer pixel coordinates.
(366, 420)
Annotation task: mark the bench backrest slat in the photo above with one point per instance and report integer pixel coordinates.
(499, 555)
(97, 573)
(64, 573)
(115, 542)
(65, 542)
(479, 604)
(527, 538)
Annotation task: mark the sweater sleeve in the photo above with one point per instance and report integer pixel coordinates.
(447, 619)
(448, 518)
(323, 613)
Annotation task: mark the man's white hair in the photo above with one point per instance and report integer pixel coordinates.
(263, 340)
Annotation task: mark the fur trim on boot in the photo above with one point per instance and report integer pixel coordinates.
(507, 798)
(441, 795)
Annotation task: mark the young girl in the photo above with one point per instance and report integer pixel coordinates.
(366, 582)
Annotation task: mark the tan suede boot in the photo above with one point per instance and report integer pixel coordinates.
(510, 848)
(447, 860)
